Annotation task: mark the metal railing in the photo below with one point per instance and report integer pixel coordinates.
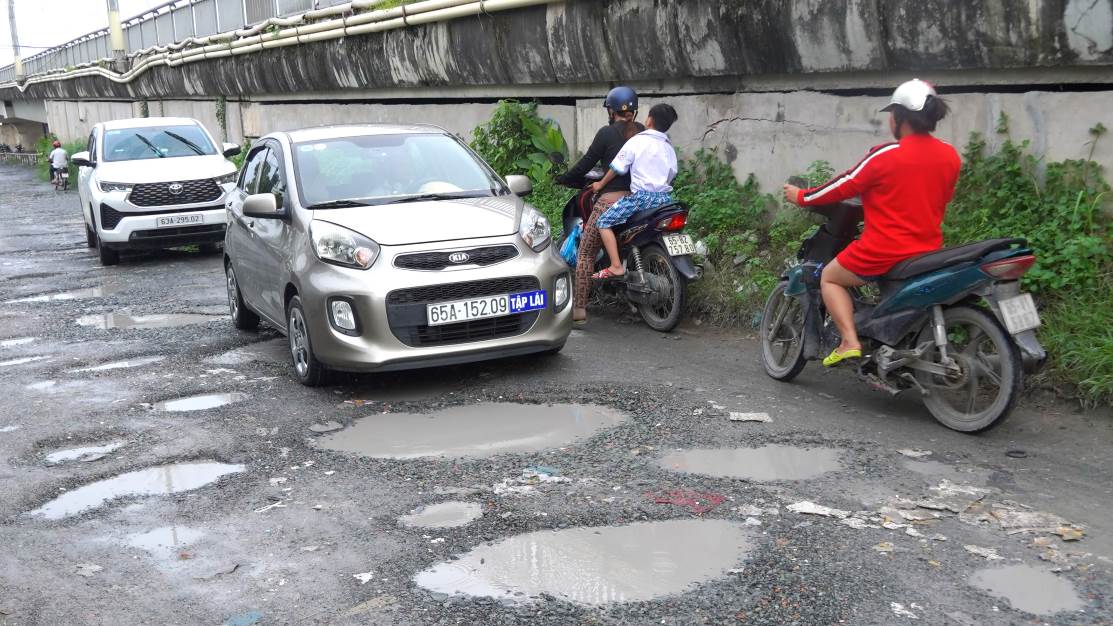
(164, 24)
(23, 158)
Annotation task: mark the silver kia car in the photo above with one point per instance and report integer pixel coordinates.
(382, 247)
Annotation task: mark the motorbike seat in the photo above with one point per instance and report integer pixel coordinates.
(644, 215)
(931, 261)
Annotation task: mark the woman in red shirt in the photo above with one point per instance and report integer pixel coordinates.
(905, 187)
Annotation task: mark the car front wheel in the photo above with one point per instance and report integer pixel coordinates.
(307, 369)
(108, 256)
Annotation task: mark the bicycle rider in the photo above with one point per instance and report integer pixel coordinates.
(59, 160)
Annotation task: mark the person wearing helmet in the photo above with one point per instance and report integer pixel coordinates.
(59, 159)
(905, 187)
(622, 109)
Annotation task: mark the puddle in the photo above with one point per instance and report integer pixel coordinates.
(119, 365)
(120, 320)
(598, 565)
(18, 341)
(1029, 589)
(26, 359)
(152, 481)
(766, 463)
(200, 403)
(166, 542)
(42, 385)
(271, 351)
(84, 454)
(444, 515)
(937, 469)
(477, 430)
(9, 429)
(77, 294)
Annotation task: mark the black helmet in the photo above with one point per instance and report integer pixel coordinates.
(622, 100)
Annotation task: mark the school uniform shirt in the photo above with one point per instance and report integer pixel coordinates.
(58, 158)
(606, 146)
(650, 160)
(905, 187)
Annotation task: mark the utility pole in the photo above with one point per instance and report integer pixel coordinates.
(116, 34)
(19, 76)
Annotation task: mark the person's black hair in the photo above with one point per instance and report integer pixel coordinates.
(664, 116)
(926, 119)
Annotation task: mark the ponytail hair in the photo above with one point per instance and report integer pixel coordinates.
(925, 120)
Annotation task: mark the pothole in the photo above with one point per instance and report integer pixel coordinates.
(1028, 589)
(84, 454)
(443, 515)
(476, 430)
(119, 365)
(77, 294)
(767, 463)
(271, 351)
(165, 542)
(201, 402)
(596, 565)
(160, 480)
(120, 320)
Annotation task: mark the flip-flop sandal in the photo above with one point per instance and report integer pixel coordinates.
(837, 357)
(579, 323)
(606, 274)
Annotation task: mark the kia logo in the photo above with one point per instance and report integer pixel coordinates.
(176, 188)
(459, 257)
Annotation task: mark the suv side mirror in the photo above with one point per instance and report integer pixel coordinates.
(263, 205)
(81, 159)
(520, 186)
(231, 150)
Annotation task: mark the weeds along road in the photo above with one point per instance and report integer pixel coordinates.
(157, 466)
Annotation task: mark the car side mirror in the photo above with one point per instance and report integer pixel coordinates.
(231, 150)
(264, 205)
(520, 186)
(81, 159)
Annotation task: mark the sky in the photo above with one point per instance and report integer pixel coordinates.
(52, 22)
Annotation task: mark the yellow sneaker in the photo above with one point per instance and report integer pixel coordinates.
(837, 357)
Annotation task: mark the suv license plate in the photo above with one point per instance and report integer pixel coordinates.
(679, 245)
(1020, 313)
(481, 308)
(170, 221)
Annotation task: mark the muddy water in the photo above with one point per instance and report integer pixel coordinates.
(77, 294)
(200, 403)
(120, 320)
(767, 463)
(152, 481)
(477, 430)
(1029, 589)
(596, 566)
(118, 365)
(166, 542)
(444, 515)
(86, 453)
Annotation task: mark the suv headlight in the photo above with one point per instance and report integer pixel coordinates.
(227, 178)
(535, 229)
(339, 246)
(106, 186)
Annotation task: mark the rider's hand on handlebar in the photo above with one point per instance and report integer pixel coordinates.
(792, 193)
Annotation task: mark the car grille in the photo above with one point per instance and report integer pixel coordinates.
(405, 310)
(158, 194)
(433, 261)
(110, 218)
(181, 231)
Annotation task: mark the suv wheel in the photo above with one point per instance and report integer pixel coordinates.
(107, 255)
(242, 317)
(307, 369)
(90, 237)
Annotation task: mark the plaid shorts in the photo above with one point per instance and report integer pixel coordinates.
(620, 211)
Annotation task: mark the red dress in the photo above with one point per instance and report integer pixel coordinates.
(905, 188)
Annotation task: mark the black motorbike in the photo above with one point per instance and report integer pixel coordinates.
(656, 253)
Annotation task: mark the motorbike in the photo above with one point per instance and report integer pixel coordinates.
(656, 253)
(953, 324)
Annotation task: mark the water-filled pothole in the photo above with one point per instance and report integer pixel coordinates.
(201, 402)
(444, 515)
(160, 480)
(767, 463)
(166, 542)
(77, 294)
(119, 365)
(22, 361)
(120, 320)
(271, 351)
(84, 454)
(597, 565)
(475, 430)
(1028, 589)
(18, 341)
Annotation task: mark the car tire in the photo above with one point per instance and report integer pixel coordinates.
(553, 351)
(243, 318)
(90, 237)
(108, 256)
(307, 369)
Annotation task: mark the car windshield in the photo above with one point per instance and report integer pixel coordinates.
(376, 170)
(156, 142)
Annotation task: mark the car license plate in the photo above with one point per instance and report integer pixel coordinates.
(480, 308)
(169, 221)
(679, 245)
(1020, 313)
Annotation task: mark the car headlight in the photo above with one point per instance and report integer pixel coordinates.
(339, 246)
(106, 186)
(227, 178)
(535, 229)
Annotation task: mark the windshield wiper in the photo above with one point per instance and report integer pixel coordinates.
(150, 145)
(338, 204)
(456, 195)
(189, 144)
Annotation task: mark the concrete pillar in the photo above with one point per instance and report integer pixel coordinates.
(19, 76)
(116, 35)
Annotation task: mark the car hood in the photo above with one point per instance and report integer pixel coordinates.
(426, 222)
(164, 170)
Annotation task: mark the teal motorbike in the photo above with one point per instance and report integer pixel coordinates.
(952, 325)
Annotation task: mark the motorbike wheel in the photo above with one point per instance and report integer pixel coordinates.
(989, 385)
(782, 335)
(665, 314)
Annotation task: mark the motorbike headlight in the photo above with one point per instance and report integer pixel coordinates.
(339, 246)
(106, 186)
(227, 178)
(535, 229)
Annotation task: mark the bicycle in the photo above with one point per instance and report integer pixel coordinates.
(60, 178)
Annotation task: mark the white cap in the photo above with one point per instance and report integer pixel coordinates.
(911, 95)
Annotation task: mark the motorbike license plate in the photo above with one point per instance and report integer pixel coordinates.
(679, 245)
(481, 308)
(1020, 313)
(170, 221)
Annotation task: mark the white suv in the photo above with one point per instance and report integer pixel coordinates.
(154, 182)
